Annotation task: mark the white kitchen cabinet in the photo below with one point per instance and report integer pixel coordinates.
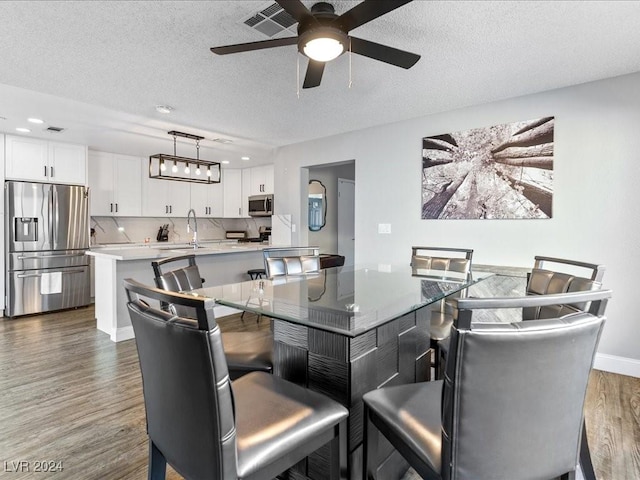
(261, 179)
(115, 185)
(38, 160)
(234, 199)
(207, 199)
(165, 198)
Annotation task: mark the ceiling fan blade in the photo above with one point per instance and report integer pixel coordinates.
(247, 47)
(296, 9)
(390, 55)
(366, 11)
(314, 74)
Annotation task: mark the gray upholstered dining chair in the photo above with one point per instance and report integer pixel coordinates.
(245, 351)
(445, 261)
(560, 275)
(551, 275)
(511, 404)
(206, 426)
(291, 261)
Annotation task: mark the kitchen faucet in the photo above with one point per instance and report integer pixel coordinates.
(195, 227)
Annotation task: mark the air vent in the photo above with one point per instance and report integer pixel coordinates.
(272, 20)
(54, 129)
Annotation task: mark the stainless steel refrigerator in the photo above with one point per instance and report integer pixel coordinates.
(47, 235)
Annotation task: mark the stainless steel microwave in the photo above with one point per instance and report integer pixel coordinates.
(261, 205)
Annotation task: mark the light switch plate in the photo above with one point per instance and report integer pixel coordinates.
(384, 228)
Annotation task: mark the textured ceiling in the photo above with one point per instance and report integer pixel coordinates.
(100, 67)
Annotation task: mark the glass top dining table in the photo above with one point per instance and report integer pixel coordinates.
(348, 300)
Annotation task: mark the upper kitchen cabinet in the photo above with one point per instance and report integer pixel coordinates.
(207, 199)
(38, 160)
(165, 198)
(234, 202)
(261, 179)
(115, 185)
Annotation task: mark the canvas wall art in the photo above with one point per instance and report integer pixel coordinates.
(498, 172)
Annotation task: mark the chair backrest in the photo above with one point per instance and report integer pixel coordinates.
(514, 393)
(444, 259)
(177, 279)
(187, 391)
(291, 261)
(556, 275)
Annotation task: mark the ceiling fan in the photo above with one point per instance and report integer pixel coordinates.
(323, 35)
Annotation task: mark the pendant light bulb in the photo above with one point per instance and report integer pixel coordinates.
(209, 172)
(163, 167)
(174, 169)
(198, 170)
(186, 169)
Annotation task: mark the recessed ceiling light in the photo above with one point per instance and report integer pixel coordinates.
(163, 109)
(245, 158)
(35, 120)
(226, 162)
(23, 130)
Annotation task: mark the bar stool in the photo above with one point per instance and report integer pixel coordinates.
(255, 274)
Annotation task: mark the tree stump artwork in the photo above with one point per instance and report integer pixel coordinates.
(499, 172)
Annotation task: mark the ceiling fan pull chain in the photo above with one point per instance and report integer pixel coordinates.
(298, 75)
(350, 77)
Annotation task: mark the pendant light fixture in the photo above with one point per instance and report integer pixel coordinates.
(157, 167)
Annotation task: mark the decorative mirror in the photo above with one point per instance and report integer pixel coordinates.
(317, 205)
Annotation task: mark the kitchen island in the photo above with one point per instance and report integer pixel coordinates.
(219, 264)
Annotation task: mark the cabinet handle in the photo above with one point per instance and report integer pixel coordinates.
(116, 208)
(51, 170)
(240, 211)
(45, 171)
(166, 209)
(111, 207)
(170, 208)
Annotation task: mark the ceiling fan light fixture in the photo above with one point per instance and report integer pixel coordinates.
(323, 49)
(322, 44)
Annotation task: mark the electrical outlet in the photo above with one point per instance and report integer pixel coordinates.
(384, 228)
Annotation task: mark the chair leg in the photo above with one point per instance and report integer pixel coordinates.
(369, 448)
(338, 453)
(157, 463)
(436, 362)
(585, 456)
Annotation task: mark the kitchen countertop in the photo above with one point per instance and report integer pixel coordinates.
(124, 252)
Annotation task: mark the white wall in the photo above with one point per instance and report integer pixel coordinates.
(596, 192)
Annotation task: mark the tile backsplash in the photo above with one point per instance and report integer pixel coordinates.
(137, 229)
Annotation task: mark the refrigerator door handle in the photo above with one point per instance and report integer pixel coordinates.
(54, 214)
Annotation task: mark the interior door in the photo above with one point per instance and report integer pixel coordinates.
(346, 220)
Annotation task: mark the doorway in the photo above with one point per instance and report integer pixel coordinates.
(337, 209)
(346, 219)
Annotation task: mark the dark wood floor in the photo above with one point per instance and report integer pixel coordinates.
(71, 396)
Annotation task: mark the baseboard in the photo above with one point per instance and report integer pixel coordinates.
(123, 333)
(615, 364)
